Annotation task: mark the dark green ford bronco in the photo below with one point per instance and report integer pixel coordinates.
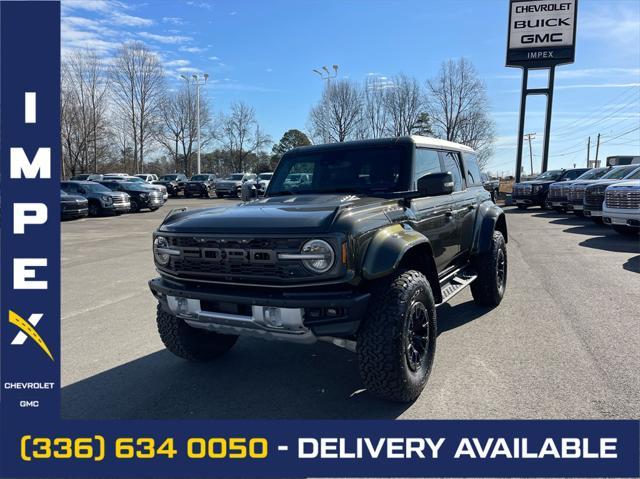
(354, 243)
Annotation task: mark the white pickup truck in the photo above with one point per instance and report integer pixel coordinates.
(621, 208)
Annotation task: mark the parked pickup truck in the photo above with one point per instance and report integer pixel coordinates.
(361, 255)
(535, 192)
(621, 207)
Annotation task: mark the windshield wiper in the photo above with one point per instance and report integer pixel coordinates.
(282, 193)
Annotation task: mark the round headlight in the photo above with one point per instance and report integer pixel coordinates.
(321, 256)
(159, 243)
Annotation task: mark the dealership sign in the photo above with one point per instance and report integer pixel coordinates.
(542, 33)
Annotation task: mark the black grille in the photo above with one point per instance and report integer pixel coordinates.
(237, 259)
(593, 198)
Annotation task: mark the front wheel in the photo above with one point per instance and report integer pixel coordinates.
(396, 343)
(94, 209)
(491, 267)
(522, 207)
(191, 343)
(578, 213)
(219, 195)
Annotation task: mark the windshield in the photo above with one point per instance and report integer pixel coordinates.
(349, 170)
(135, 180)
(265, 176)
(199, 177)
(619, 173)
(633, 176)
(550, 175)
(169, 177)
(235, 177)
(593, 174)
(96, 188)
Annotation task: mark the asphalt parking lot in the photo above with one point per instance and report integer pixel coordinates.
(564, 343)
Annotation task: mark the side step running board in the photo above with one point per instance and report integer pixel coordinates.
(456, 283)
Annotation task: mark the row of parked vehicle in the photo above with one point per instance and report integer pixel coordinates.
(116, 193)
(608, 195)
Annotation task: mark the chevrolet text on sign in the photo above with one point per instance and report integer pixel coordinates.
(541, 32)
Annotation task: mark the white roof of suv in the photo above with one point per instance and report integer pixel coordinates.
(429, 142)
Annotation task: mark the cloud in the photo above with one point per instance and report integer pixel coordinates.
(269, 70)
(188, 70)
(615, 24)
(214, 58)
(129, 20)
(173, 20)
(176, 63)
(192, 49)
(234, 13)
(200, 5)
(164, 38)
(93, 6)
(597, 85)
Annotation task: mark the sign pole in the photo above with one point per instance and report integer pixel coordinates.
(547, 126)
(523, 107)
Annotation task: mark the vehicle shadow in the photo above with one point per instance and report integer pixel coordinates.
(255, 380)
(452, 317)
(617, 243)
(632, 264)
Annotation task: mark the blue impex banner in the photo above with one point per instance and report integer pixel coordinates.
(35, 442)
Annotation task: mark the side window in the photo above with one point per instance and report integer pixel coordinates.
(473, 172)
(427, 161)
(452, 165)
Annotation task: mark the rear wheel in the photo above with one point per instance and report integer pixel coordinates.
(396, 343)
(491, 267)
(191, 343)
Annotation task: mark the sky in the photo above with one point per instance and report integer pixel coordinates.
(264, 52)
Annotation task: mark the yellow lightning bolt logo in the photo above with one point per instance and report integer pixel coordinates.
(30, 331)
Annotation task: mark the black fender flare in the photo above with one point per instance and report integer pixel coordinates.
(490, 218)
(387, 248)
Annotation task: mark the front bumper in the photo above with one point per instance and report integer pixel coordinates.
(533, 199)
(69, 213)
(196, 189)
(236, 311)
(592, 211)
(623, 217)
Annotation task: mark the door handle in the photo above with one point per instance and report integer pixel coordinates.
(471, 207)
(448, 215)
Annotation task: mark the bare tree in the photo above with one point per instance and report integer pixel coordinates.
(242, 136)
(374, 114)
(458, 106)
(338, 116)
(403, 104)
(84, 111)
(138, 87)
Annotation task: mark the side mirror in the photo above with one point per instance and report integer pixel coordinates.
(435, 184)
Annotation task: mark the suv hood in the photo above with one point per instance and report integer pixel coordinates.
(281, 214)
(626, 184)
(538, 182)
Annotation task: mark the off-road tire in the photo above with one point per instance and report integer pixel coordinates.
(135, 206)
(488, 288)
(626, 230)
(191, 343)
(383, 337)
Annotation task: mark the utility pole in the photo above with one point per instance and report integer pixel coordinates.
(597, 151)
(198, 82)
(530, 136)
(588, 151)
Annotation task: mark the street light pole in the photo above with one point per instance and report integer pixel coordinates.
(326, 75)
(198, 82)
